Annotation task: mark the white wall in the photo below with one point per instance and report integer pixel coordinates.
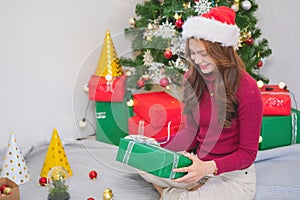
(44, 46)
(48, 50)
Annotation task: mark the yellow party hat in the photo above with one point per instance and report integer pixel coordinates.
(14, 165)
(55, 156)
(108, 63)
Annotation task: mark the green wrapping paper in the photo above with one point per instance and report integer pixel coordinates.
(112, 120)
(151, 158)
(278, 131)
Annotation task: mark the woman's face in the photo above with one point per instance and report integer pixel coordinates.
(200, 57)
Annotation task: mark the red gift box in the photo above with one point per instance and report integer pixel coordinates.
(107, 91)
(138, 126)
(158, 108)
(276, 101)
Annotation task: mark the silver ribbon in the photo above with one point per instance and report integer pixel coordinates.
(174, 166)
(128, 152)
(294, 127)
(109, 86)
(151, 142)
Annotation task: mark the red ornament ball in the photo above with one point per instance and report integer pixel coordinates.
(2, 187)
(93, 175)
(140, 83)
(179, 23)
(43, 181)
(164, 82)
(249, 41)
(168, 53)
(90, 198)
(260, 63)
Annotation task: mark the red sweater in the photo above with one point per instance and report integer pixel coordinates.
(231, 148)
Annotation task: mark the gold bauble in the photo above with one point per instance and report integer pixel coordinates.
(107, 194)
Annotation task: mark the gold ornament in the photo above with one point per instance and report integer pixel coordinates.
(187, 5)
(244, 36)
(107, 194)
(108, 62)
(7, 191)
(176, 16)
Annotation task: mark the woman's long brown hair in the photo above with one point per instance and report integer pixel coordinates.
(230, 67)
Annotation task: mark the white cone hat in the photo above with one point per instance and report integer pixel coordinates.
(14, 165)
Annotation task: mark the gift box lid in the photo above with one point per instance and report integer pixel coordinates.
(151, 158)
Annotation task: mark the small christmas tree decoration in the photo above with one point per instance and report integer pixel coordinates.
(58, 184)
(107, 194)
(108, 62)
(235, 7)
(179, 23)
(168, 53)
(249, 41)
(140, 83)
(90, 198)
(43, 181)
(14, 165)
(164, 82)
(55, 156)
(246, 5)
(93, 175)
(260, 63)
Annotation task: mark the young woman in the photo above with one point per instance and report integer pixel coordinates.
(224, 113)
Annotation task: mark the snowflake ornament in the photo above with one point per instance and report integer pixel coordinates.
(178, 45)
(202, 6)
(148, 58)
(166, 30)
(156, 72)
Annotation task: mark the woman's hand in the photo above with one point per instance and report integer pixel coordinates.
(197, 170)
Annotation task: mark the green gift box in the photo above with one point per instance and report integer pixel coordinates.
(112, 120)
(278, 131)
(295, 126)
(151, 158)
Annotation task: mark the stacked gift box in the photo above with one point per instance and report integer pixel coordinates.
(158, 115)
(280, 124)
(107, 87)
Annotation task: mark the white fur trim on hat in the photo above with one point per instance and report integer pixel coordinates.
(212, 30)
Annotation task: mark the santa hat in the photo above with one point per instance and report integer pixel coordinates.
(217, 25)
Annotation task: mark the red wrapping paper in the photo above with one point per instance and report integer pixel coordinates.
(107, 91)
(158, 108)
(158, 133)
(276, 101)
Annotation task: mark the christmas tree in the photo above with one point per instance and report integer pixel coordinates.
(159, 49)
